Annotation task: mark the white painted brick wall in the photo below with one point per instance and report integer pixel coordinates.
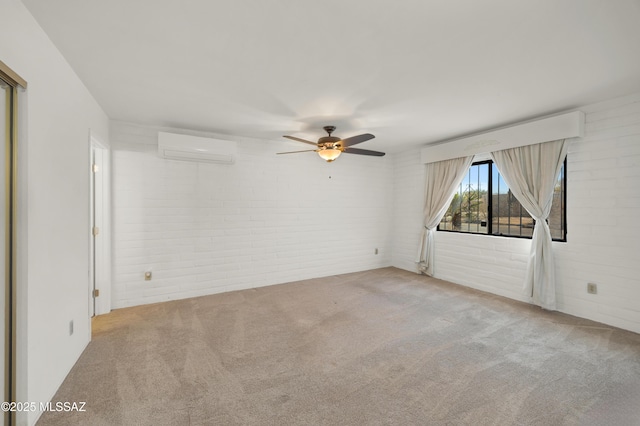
(207, 228)
(603, 233)
(408, 200)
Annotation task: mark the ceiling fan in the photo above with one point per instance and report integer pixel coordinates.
(330, 147)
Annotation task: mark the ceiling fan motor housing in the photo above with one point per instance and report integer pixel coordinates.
(328, 141)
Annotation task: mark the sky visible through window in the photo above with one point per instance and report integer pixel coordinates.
(478, 178)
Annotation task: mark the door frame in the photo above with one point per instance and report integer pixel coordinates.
(14, 307)
(100, 218)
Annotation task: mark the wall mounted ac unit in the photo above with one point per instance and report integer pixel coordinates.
(194, 148)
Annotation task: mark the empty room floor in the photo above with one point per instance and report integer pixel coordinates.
(377, 347)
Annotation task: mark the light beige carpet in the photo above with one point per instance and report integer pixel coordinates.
(379, 347)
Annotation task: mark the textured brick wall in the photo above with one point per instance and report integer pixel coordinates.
(207, 228)
(603, 233)
(269, 219)
(603, 212)
(408, 201)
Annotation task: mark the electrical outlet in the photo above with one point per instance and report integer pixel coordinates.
(70, 327)
(376, 251)
(592, 288)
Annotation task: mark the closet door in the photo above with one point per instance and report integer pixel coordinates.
(10, 83)
(5, 244)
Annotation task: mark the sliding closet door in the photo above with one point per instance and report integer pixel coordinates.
(10, 84)
(6, 92)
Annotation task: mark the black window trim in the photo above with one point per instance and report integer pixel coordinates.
(490, 208)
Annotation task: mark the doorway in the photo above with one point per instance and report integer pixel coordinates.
(100, 235)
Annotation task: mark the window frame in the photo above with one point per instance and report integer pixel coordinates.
(490, 233)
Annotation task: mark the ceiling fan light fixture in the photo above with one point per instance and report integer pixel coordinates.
(330, 147)
(329, 154)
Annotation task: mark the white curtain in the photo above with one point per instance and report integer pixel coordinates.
(443, 177)
(531, 173)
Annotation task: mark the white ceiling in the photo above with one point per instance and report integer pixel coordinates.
(409, 71)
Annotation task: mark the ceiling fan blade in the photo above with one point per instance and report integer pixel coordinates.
(356, 139)
(293, 138)
(363, 152)
(295, 152)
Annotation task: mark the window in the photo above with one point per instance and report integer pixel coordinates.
(484, 204)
